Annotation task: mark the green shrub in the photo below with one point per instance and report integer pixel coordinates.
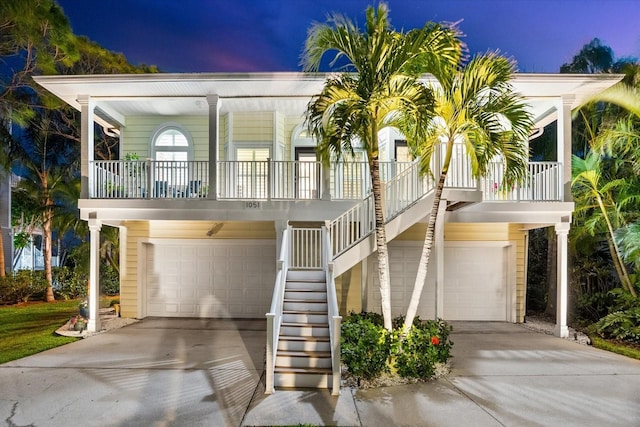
(366, 345)
(21, 286)
(109, 280)
(70, 284)
(620, 325)
(368, 349)
(426, 344)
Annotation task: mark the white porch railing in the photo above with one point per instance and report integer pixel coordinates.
(284, 180)
(544, 184)
(335, 320)
(274, 316)
(144, 179)
(305, 251)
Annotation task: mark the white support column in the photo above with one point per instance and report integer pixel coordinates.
(562, 231)
(564, 143)
(94, 275)
(439, 259)
(214, 121)
(87, 143)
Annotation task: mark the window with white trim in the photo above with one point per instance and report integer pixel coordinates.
(172, 149)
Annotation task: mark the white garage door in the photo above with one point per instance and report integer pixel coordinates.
(475, 282)
(210, 278)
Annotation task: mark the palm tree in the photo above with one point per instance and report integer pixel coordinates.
(475, 106)
(383, 91)
(43, 161)
(596, 199)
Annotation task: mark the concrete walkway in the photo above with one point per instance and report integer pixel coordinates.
(209, 372)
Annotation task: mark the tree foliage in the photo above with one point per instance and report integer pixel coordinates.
(379, 89)
(606, 180)
(477, 107)
(36, 39)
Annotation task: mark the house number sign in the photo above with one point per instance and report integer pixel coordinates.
(252, 205)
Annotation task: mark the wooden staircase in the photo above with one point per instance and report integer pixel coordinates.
(303, 357)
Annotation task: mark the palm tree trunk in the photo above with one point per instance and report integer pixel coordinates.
(381, 244)
(46, 250)
(421, 275)
(615, 253)
(2, 265)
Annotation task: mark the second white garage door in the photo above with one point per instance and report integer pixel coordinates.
(475, 281)
(209, 278)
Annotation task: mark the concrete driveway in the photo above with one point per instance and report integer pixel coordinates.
(210, 372)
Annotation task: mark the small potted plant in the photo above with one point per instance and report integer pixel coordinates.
(78, 323)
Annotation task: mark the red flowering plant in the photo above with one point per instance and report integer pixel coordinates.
(426, 344)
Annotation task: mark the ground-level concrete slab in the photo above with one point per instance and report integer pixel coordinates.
(211, 372)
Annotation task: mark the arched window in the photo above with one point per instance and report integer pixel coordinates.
(172, 149)
(171, 142)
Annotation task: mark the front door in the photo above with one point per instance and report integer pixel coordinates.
(307, 174)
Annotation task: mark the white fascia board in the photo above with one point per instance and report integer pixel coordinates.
(516, 212)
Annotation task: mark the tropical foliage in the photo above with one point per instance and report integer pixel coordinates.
(380, 88)
(35, 38)
(476, 106)
(368, 350)
(604, 238)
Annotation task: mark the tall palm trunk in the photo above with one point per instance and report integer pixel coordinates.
(47, 234)
(429, 238)
(2, 265)
(381, 243)
(618, 262)
(46, 249)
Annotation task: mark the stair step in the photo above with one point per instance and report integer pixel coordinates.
(294, 353)
(299, 338)
(304, 306)
(305, 330)
(306, 275)
(305, 295)
(300, 359)
(306, 286)
(316, 378)
(303, 370)
(302, 317)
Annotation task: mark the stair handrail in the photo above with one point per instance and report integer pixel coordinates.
(274, 316)
(335, 320)
(411, 184)
(357, 223)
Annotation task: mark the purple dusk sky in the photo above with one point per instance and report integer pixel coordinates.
(268, 35)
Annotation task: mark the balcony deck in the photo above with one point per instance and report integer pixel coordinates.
(294, 180)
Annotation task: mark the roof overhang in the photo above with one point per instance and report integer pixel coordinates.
(117, 96)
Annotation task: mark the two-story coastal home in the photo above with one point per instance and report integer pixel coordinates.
(225, 212)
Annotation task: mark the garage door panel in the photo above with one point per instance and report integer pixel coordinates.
(230, 278)
(403, 266)
(475, 282)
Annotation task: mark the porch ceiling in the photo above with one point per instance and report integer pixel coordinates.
(118, 96)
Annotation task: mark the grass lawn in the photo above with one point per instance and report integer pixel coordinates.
(27, 329)
(624, 349)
